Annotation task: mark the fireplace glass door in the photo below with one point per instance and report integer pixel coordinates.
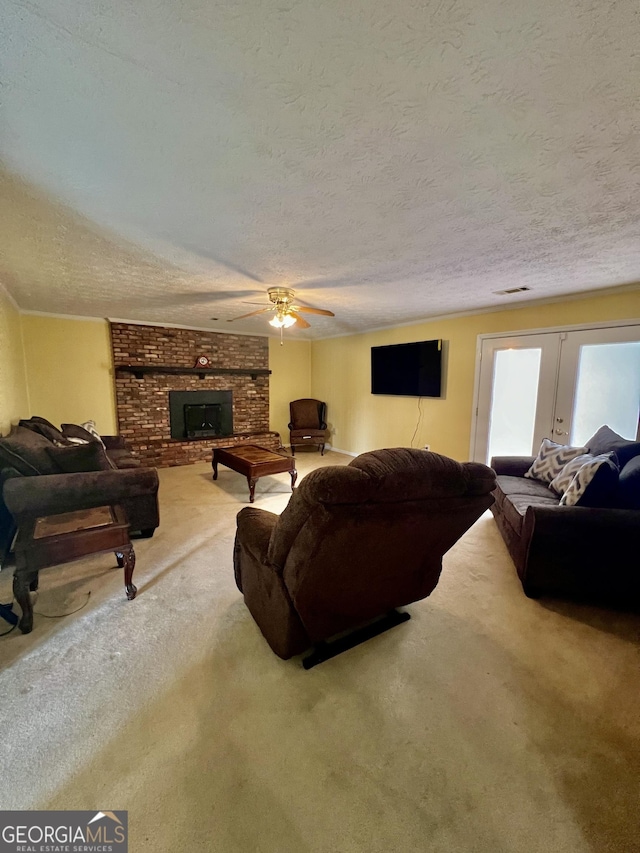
(202, 419)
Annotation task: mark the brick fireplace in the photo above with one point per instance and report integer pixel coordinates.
(155, 363)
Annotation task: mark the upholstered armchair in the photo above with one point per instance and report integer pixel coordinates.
(308, 424)
(354, 543)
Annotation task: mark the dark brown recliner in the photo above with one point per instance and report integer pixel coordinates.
(354, 543)
(308, 424)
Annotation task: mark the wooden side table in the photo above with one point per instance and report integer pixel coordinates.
(55, 539)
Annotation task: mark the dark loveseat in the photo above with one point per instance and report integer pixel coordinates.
(581, 552)
(43, 472)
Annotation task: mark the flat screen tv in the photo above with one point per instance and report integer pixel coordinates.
(407, 370)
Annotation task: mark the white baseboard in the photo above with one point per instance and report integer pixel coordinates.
(337, 450)
(330, 447)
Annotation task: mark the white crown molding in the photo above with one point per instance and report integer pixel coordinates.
(90, 319)
(181, 326)
(6, 293)
(496, 309)
(522, 303)
(62, 316)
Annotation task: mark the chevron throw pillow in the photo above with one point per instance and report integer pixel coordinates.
(551, 459)
(90, 427)
(593, 483)
(562, 480)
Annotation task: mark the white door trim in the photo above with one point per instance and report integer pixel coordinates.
(578, 327)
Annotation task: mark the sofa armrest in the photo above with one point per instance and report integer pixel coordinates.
(584, 522)
(52, 494)
(582, 551)
(512, 466)
(113, 442)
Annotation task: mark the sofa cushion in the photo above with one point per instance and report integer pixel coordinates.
(122, 458)
(45, 428)
(533, 489)
(606, 440)
(76, 433)
(588, 481)
(26, 451)
(628, 493)
(80, 457)
(551, 459)
(515, 507)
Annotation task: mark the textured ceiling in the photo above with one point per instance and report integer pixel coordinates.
(165, 160)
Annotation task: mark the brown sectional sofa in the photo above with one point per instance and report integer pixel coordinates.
(587, 553)
(42, 472)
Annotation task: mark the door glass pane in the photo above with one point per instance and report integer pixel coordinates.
(513, 404)
(607, 390)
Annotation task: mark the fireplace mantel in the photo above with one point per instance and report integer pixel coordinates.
(139, 370)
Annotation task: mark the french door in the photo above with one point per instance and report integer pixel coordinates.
(559, 385)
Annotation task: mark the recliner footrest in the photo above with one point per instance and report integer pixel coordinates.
(326, 651)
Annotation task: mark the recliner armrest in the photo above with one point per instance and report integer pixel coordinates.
(255, 527)
(52, 494)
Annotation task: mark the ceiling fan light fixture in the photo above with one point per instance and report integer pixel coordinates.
(282, 320)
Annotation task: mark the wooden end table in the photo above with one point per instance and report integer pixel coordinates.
(54, 539)
(253, 461)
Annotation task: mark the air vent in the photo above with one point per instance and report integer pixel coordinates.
(510, 291)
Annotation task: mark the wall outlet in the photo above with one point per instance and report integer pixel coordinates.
(427, 447)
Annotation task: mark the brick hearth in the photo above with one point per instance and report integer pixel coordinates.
(143, 403)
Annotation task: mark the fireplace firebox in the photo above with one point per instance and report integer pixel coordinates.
(201, 414)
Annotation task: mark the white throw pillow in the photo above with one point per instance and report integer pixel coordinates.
(551, 459)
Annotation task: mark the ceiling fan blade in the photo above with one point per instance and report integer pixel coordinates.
(315, 311)
(246, 302)
(252, 314)
(299, 320)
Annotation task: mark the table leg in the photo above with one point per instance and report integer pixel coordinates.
(252, 488)
(23, 579)
(127, 559)
(214, 465)
(294, 477)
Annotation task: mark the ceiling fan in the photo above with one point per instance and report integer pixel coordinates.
(286, 313)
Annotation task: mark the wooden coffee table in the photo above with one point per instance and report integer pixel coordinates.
(54, 539)
(253, 461)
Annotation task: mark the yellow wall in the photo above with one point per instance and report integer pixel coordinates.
(340, 375)
(290, 380)
(14, 398)
(70, 371)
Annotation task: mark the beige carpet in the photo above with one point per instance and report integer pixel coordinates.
(489, 722)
